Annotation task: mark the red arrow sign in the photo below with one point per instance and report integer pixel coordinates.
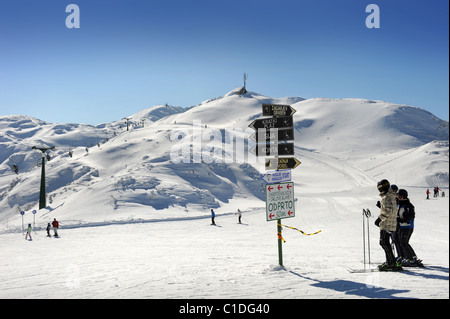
(290, 213)
(270, 188)
(279, 187)
(288, 186)
(271, 216)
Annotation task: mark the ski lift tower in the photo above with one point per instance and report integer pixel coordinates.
(42, 195)
(245, 82)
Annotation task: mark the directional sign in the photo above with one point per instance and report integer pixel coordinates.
(278, 177)
(277, 110)
(282, 163)
(274, 122)
(273, 135)
(280, 201)
(273, 149)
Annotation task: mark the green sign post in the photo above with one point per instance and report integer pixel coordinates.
(271, 136)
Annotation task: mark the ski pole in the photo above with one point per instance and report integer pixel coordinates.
(369, 214)
(364, 238)
(366, 215)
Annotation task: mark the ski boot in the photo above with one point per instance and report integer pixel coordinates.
(394, 267)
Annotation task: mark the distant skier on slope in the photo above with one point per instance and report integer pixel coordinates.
(55, 225)
(213, 215)
(48, 230)
(387, 221)
(239, 213)
(29, 229)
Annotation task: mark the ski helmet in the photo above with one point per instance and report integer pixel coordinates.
(403, 193)
(383, 186)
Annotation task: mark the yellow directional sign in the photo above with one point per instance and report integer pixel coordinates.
(282, 163)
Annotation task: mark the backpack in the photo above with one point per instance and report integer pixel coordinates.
(408, 212)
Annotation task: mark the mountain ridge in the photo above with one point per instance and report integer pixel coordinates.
(157, 167)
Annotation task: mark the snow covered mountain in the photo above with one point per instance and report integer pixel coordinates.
(197, 158)
(152, 187)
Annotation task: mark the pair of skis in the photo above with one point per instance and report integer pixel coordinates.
(369, 270)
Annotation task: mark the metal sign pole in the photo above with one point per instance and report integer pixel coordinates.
(23, 229)
(34, 220)
(280, 244)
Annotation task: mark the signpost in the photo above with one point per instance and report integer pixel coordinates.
(280, 201)
(273, 122)
(34, 219)
(278, 177)
(282, 163)
(22, 213)
(273, 133)
(277, 110)
(273, 149)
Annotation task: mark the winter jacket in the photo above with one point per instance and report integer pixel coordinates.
(388, 212)
(55, 224)
(213, 215)
(406, 214)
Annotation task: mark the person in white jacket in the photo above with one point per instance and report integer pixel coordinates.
(239, 213)
(29, 229)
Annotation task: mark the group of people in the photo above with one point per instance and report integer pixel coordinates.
(396, 222)
(436, 190)
(213, 216)
(54, 225)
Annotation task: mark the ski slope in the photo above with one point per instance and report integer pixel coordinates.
(189, 258)
(134, 205)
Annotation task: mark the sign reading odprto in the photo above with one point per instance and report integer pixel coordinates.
(280, 201)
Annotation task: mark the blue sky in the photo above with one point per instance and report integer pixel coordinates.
(129, 55)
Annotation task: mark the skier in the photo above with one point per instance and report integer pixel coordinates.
(428, 193)
(48, 230)
(405, 218)
(15, 169)
(55, 225)
(29, 229)
(387, 221)
(213, 215)
(239, 213)
(394, 189)
(394, 236)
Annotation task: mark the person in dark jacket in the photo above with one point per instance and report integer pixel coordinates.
(405, 218)
(213, 215)
(48, 230)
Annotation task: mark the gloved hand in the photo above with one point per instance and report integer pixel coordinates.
(377, 222)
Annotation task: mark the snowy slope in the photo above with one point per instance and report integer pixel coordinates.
(188, 258)
(198, 158)
(151, 189)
